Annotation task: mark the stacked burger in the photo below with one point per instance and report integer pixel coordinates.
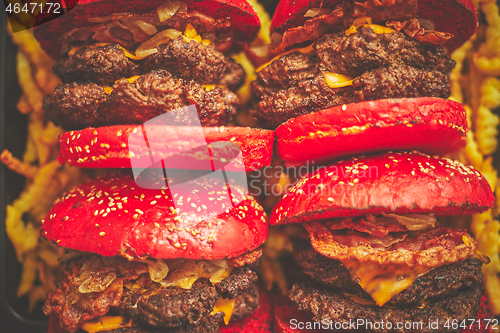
(379, 251)
(162, 249)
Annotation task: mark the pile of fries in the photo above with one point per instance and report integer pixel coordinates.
(475, 83)
(46, 179)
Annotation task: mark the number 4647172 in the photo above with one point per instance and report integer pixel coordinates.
(33, 7)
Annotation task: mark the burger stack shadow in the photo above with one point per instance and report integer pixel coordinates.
(171, 240)
(366, 82)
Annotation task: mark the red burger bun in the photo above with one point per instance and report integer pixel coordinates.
(388, 183)
(48, 26)
(431, 125)
(112, 216)
(457, 17)
(108, 147)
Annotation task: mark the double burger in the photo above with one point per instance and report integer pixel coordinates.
(379, 250)
(329, 56)
(155, 259)
(379, 253)
(137, 264)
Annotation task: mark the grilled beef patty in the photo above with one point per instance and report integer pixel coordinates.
(172, 308)
(437, 283)
(188, 60)
(326, 305)
(74, 106)
(389, 65)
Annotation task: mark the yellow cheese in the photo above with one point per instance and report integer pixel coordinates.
(108, 90)
(306, 49)
(335, 80)
(383, 282)
(105, 323)
(378, 29)
(209, 87)
(226, 306)
(93, 46)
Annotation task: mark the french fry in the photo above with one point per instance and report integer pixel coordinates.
(486, 130)
(25, 169)
(30, 153)
(36, 294)
(29, 274)
(24, 237)
(27, 83)
(24, 106)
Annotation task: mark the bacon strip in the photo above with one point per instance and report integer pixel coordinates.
(431, 248)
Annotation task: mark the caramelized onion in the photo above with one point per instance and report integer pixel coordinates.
(415, 222)
(146, 27)
(163, 37)
(169, 9)
(157, 270)
(313, 12)
(97, 283)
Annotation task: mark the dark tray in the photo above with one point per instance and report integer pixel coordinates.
(14, 314)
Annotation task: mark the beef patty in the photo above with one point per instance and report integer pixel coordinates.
(208, 324)
(437, 283)
(324, 304)
(150, 307)
(188, 60)
(394, 81)
(73, 106)
(388, 65)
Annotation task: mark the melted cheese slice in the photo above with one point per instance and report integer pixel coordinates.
(378, 29)
(209, 87)
(105, 323)
(383, 282)
(108, 90)
(226, 306)
(306, 49)
(334, 80)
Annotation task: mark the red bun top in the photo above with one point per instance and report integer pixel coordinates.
(457, 17)
(431, 125)
(110, 147)
(112, 216)
(243, 18)
(389, 183)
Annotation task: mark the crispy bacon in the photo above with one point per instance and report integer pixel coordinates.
(312, 30)
(431, 248)
(342, 17)
(72, 308)
(117, 31)
(378, 227)
(413, 29)
(246, 258)
(382, 10)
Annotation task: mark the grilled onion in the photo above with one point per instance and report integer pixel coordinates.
(169, 9)
(163, 37)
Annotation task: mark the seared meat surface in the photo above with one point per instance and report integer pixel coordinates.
(387, 65)
(324, 304)
(437, 283)
(74, 106)
(84, 295)
(188, 60)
